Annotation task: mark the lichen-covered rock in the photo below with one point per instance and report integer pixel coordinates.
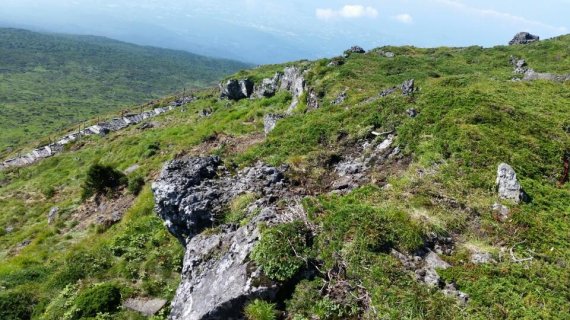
(218, 277)
(236, 89)
(268, 86)
(523, 38)
(312, 100)
(353, 49)
(294, 82)
(508, 185)
(340, 98)
(520, 65)
(270, 121)
(407, 87)
(52, 214)
(531, 75)
(502, 212)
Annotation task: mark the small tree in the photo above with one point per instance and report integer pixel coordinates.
(102, 179)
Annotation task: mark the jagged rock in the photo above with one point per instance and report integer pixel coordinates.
(412, 113)
(530, 75)
(218, 277)
(508, 185)
(312, 100)
(218, 288)
(520, 65)
(481, 257)
(523, 38)
(204, 113)
(337, 61)
(146, 306)
(294, 82)
(407, 87)
(354, 49)
(387, 92)
(52, 214)
(502, 212)
(181, 186)
(236, 89)
(268, 86)
(340, 98)
(270, 121)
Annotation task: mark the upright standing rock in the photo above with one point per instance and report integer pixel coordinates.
(408, 87)
(236, 89)
(294, 82)
(508, 185)
(268, 86)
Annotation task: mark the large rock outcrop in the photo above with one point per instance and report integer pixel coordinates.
(218, 277)
(523, 38)
(294, 82)
(268, 86)
(236, 89)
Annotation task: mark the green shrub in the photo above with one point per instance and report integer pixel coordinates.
(282, 250)
(16, 305)
(102, 298)
(48, 192)
(135, 185)
(260, 310)
(102, 179)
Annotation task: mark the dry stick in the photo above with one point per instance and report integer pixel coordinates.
(515, 259)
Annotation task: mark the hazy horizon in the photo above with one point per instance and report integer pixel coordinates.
(270, 31)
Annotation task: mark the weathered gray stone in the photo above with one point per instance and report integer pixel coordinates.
(268, 87)
(52, 214)
(218, 277)
(146, 306)
(531, 75)
(412, 113)
(340, 98)
(337, 61)
(270, 121)
(407, 87)
(294, 82)
(353, 49)
(523, 38)
(235, 89)
(481, 257)
(501, 211)
(312, 100)
(508, 185)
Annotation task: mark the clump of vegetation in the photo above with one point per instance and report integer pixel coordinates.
(238, 208)
(135, 185)
(260, 310)
(101, 298)
(16, 305)
(102, 179)
(282, 251)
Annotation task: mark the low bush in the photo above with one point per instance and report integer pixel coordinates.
(282, 250)
(16, 305)
(100, 298)
(102, 179)
(135, 185)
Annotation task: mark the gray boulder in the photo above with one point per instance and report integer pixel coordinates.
(523, 38)
(508, 185)
(502, 212)
(407, 87)
(531, 75)
(268, 87)
(236, 89)
(52, 214)
(340, 98)
(353, 49)
(312, 100)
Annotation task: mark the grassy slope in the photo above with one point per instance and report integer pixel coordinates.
(471, 118)
(50, 81)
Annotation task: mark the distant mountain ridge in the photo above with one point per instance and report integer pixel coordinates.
(49, 81)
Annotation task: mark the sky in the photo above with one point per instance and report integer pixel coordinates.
(270, 31)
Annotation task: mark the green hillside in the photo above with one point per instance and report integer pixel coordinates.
(51, 81)
(471, 116)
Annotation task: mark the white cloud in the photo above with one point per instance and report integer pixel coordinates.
(404, 18)
(349, 11)
(499, 15)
